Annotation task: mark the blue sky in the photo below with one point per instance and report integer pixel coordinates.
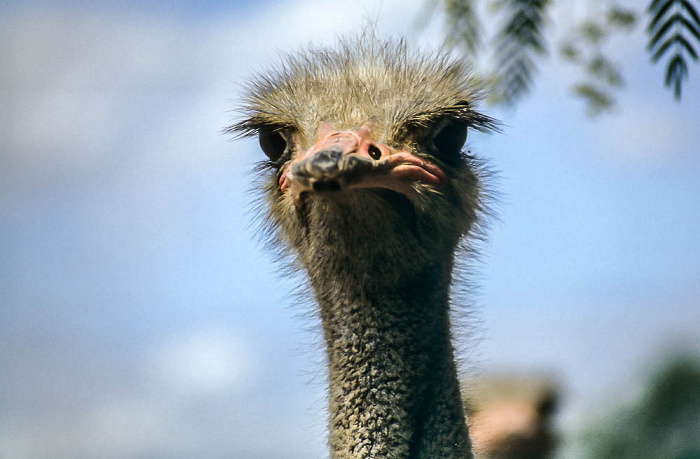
(139, 316)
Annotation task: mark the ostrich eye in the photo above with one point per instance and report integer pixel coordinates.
(272, 143)
(449, 141)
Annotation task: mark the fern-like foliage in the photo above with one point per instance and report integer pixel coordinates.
(517, 43)
(674, 27)
(464, 25)
(674, 34)
(600, 77)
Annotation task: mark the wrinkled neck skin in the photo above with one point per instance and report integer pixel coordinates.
(383, 293)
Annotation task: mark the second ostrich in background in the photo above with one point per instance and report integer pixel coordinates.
(371, 193)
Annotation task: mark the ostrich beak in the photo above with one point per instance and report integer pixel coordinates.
(344, 160)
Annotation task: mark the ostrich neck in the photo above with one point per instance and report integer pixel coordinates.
(394, 391)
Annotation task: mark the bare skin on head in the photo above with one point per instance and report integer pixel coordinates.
(370, 193)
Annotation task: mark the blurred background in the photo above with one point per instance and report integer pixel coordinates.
(140, 316)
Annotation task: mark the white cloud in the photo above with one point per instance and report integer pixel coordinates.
(204, 363)
(647, 136)
(125, 428)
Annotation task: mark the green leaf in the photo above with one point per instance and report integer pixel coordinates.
(464, 25)
(656, 4)
(518, 39)
(604, 70)
(664, 28)
(691, 11)
(690, 26)
(674, 20)
(593, 32)
(675, 73)
(570, 52)
(597, 100)
(622, 18)
(659, 15)
(677, 40)
(659, 52)
(685, 44)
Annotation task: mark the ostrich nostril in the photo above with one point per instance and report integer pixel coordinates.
(374, 152)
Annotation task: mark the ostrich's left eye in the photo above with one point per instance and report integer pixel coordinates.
(273, 144)
(449, 140)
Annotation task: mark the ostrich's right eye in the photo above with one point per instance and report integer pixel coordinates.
(450, 139)
(273, 144)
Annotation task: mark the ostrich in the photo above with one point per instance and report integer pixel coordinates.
(510, 415)
(370, 194)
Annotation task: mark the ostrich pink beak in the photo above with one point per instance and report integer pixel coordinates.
(343, 160)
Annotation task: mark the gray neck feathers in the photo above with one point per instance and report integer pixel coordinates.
(383, 301)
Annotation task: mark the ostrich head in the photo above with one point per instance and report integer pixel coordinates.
(369, 188)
